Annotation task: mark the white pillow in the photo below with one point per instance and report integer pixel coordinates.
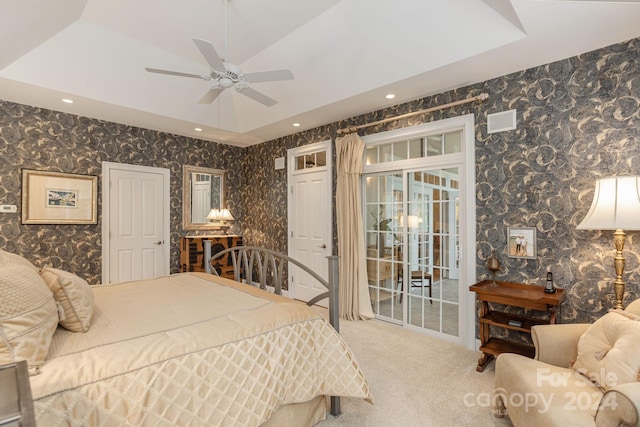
(74, 296)
(609, 351)
(28, 316)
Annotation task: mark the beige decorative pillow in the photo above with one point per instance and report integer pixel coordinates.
(8, 258)
(28, 316)
(634, 307)
(609, 351)
(74, 296)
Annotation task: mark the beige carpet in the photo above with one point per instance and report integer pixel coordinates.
(416, 380)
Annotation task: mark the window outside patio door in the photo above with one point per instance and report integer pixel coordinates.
(419, 207)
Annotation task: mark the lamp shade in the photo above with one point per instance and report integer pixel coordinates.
(225, 215)
(220, 215)
(616, 205)
(214, 214)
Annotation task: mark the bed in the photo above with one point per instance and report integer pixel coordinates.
(186, 349)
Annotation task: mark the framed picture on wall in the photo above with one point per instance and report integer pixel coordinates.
(521, 242)
(59, 198)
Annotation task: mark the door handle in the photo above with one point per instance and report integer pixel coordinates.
(159, 242)
(323, 246)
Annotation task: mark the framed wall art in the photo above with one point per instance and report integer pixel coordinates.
(59, 198)
(521, 242)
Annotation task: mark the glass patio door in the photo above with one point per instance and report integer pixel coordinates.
(384, 201)
(412, 231)
(418, 194)
(432, 236)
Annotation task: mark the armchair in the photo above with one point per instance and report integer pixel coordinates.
(582, 375)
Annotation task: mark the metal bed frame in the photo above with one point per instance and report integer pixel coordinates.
(261, 267)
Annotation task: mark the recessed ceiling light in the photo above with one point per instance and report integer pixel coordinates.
(67, 100)
(198, 129)
(296, 125)
(390, 96)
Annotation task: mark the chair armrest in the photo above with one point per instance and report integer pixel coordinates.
(620, 406)
(557, 344)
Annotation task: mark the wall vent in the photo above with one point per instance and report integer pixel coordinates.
(498, 122)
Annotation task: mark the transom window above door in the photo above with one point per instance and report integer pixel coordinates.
(428, 146)
(311, 160)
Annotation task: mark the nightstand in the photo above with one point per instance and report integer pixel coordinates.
(16, 405)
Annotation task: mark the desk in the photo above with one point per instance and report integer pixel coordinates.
(530, 297)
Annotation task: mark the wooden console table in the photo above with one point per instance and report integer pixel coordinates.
(530, 297)
(192, 253)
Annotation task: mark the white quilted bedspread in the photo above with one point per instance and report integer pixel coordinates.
(191, 349)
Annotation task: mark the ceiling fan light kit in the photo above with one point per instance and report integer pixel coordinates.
(229, 75)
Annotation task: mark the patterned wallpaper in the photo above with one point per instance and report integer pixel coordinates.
(577, 120)
(35, 138)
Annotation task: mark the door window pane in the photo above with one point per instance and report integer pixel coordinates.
(311, 160)
(430, 146)
(413, 257)
(400, 150)
(453, 142)
(434, 145)
(372, 156)
(383, 209)
(416, 148)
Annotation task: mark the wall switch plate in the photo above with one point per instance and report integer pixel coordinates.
(8, 208)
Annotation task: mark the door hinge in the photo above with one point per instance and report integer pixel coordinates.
(292, 189)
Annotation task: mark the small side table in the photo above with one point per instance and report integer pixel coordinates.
(531, 297)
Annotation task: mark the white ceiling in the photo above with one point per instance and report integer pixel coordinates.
(345, 55)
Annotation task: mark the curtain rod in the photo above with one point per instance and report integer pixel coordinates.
(351, 129)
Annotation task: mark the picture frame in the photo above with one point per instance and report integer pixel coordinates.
(521, 242)
(59, 198)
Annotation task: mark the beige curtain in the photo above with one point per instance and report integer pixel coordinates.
(354, 292)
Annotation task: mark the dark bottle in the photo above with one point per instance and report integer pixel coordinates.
(549, 288)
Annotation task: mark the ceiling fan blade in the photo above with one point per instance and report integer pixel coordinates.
(178, 73)
(256, 96)
(268, 76)
(211, 95)
(209, 52)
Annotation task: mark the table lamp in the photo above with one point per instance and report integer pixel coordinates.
(221, 216)
(615, 206)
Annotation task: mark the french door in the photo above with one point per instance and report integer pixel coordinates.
(419, 207)
(413, 247)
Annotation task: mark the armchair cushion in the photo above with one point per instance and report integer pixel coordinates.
(609, 351)
(558, 344)
(619, 406)
(535, 393)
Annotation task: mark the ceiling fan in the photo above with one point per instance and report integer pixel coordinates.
(228, 75)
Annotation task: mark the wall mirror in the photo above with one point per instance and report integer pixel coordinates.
(202, 190)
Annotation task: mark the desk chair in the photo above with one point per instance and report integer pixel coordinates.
(417, 281)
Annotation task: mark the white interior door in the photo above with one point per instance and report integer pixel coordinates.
(135, 223)
(310, 214)
(200, 198)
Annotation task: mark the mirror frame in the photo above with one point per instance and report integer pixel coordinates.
(187, 170)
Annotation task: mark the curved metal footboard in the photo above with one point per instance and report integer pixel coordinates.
(259, 266)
